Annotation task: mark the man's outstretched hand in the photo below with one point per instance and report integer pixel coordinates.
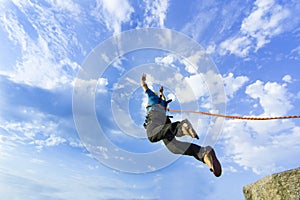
(143, 82)
(143, 78)
(161, 89)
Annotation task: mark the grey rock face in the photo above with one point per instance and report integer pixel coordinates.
(281, 186)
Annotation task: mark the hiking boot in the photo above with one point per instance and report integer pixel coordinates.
(186, 128)
(210, 159)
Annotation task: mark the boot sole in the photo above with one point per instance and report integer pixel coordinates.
(193, 133)
(190, 130)
(213, 163)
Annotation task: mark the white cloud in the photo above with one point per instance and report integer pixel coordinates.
(233, 84)
(195, 58)
(273, 97)
(102, 83)
(287, 78)
(51, 141)
(239, 46)
(7, 144)
(264, 146)
(295, 53)
(15, 31)
(173, 61)
(70, 6)
(36, 128)
(155, 13)
(191, 88)
(66, 171)
(24, 131)
(228, 169)
(212, 20)
(210, 49)
(113, 13)
(44, 49)
(39, 68)
(267, 19)
(167, 60)
(197, 84)
(91, 86)
(118, 64)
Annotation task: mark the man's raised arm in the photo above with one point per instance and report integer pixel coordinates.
(143, 82)
(162, 96)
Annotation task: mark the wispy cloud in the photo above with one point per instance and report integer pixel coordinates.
(233, 84)
(69, 6)
(168, 60)
(68, 181)
(43, 42)
(273, 97)
(287, 78)
(199, 82)
(51, 141)
(89, 88)
(211, 21)
(113, 13)
(239, 46)
(155, 13)
(252, 144)
(295, 53)
(266, 20)
(36, 129)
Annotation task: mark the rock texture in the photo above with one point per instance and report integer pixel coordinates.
(281, 186)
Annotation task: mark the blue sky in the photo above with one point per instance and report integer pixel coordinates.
(68, 135)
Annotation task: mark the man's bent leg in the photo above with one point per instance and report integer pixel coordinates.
(161, 132)
(204, 154)
(183, 148)
(160, 127)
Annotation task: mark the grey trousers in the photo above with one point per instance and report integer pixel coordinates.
(159, 127)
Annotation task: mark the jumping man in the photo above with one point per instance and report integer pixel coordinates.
(159, 127)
